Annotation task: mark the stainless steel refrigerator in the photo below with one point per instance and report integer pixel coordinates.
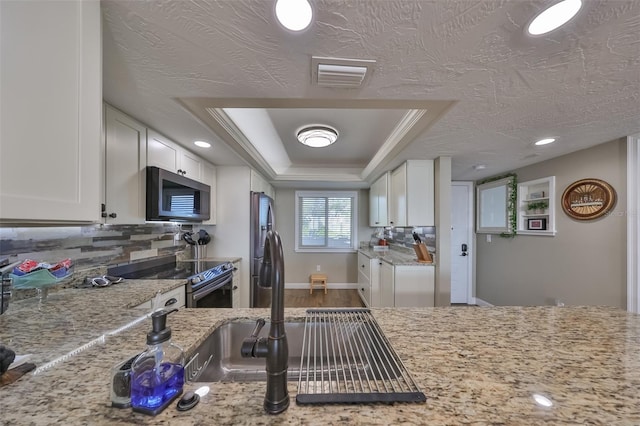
(262, 215)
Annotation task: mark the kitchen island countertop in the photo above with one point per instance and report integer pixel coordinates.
(475, 365)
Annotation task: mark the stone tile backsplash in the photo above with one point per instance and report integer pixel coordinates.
(92, 248)
(403, 237)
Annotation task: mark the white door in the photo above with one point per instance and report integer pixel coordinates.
(461, 241)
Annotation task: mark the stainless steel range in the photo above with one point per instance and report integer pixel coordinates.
(208, 284)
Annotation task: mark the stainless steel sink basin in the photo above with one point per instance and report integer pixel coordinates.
(226, 364)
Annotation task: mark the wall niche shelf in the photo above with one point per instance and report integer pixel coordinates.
(533, 217)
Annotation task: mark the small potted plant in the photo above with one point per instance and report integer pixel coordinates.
(538, 207)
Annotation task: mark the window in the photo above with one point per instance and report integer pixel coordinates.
(326, 221)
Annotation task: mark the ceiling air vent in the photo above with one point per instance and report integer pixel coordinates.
(339, 72)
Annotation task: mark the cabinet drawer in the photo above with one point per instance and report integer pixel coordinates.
(177, 293)
(364, 265)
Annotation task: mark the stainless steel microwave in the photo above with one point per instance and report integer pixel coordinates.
(174, 197)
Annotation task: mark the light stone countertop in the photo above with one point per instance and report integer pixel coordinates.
(475, 365)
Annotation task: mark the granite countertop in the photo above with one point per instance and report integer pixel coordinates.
(475, 365)
(396, 257)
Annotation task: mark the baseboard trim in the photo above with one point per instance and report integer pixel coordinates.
(481, 302)
(335, 286)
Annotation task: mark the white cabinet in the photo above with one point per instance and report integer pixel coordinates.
(368, 279)
(378, 202)
(387, 285)
(125, 161)
(235, 285)
(168, 155)
(411, 194)
(414, 286)
(209, 177)
(50, 110)
(260, 184)
(171, 299)
(536, 207)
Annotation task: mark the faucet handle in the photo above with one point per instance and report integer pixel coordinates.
(250, 346)
(259, 324)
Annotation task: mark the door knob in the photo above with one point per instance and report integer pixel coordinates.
(464, 250)
(113, 215)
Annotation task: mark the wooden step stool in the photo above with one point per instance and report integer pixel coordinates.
(318, 280)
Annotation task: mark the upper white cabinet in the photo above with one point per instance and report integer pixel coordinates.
(51, 106)
(379, 202)
(536, 207)
(168, 155)
(125, 161)
(411, 194)
(260, 184)
(209, 177)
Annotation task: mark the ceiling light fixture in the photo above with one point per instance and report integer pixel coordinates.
(202, 144)
(554, 17)
(479, 167)
(317, 136)
(545, 141)
(294, 15)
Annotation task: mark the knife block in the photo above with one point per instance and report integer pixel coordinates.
(422, 253)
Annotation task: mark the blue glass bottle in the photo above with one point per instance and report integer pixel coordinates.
(158, 373)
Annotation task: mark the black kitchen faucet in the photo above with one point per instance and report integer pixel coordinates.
(274, 347)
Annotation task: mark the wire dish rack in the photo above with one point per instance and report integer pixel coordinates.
(347, 359)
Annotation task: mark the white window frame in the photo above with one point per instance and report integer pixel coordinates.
(354, 221)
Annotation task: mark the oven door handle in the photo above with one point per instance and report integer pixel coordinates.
(208, 290)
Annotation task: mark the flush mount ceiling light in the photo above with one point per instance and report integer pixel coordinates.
(317, 136)
(202, 144)
(479, 167)
(294, 15)
(545, 141)
(554, 17)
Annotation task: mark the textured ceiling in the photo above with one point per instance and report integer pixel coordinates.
(580, 84)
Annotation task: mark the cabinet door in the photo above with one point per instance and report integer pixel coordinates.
(125, 160)
(190, 165)
(50, 110)
(378, 202)
(414, 286)
(235, 286)
(398, 198)
(209, 178)
(387, 286)
(161, 152)
(364, 288)
(420, 193)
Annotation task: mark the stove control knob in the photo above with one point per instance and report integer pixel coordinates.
(196, 279)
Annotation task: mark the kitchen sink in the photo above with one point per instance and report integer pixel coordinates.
(225, 364)
(336, 355)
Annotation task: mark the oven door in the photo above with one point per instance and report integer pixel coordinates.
(217, 294)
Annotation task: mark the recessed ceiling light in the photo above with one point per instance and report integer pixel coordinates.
(294, 15)
(545, 141)
(554, 17)
(479, 167)
(202, 144)
(317, 136)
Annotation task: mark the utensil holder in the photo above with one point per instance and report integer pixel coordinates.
(200, 251)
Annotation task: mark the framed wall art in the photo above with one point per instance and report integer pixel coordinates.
(588, 199)
(537, 224)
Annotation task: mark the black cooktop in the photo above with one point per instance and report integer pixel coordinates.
(166, 267)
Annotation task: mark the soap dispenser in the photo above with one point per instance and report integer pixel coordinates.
(158, 373)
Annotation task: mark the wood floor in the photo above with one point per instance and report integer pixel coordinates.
(333, 299)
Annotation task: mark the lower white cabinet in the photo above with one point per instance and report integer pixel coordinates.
(235, 286)
(172, 299)
(387, 285)
(414, 286)
(382, 284)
